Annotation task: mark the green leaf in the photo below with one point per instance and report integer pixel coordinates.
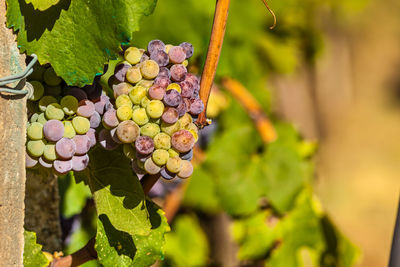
(186, 245)
(77, 37)
(33, 255)
(73, 195)
(42, 4)
(119, 248)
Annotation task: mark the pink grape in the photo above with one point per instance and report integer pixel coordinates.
(144, 145)
(86, 108)
(44, 163)
(79, 163)
(120, 71)
(176, 55)
(53, 130)
(182, 141)
(186, 171)
(62, 166)
(172, 98)
(65, 148)
(82, 143)
(95, 120)
(106, 141)
(167, 174)
(30, 162)
(170, 115)
(182, 108)
(178, 72)
(196, 106)
(110, 119)
(187, 89)
(92, 136)
(156, 92)
(100, 106)
(188, 48)
(162, 81)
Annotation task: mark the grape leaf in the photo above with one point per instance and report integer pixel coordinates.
(42, 4)
(119, 248)
(33, 255)
(76, 37)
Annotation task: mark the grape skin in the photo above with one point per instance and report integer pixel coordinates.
(137, 93)
(144, 145)
(127, 131)
(186, 170)
(35, 131)
(121, 89)
(164, 71)
(124, 113)
(176, 54)
(92, 137)
(133, 55)
(162, 141)
(53, 130)
(49, 152)
(151, 167)
(123, 100)
(140, 117)
(86, 108)
(62, 166)
(65, 148)
(187, 89)
(79, 163)
(150, 129)
(160, 57)
(196, 106)
(45, 163)
(95, 120)
(54, 112)
(188, 48)
(167, 174)
(170, 115)
(81, 125)
(174, 164)
(160, 156)
(155, 109)
(30, 162)
(120, 70)
(178, 72)
(155, 45)
(170, 128)
(82, 143)
(133, 75)
(162, 81)
(156, 92)
(69, 131)
(110, 119)
(182, 141)
(172, 98)
(35, 148)
(149, 69)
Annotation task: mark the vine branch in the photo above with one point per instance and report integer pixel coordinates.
(85, 254)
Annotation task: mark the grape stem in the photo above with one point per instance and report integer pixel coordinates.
(85, 254)
(213, 53)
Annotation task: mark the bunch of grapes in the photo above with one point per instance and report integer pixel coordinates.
(62, 122)
(156, 104)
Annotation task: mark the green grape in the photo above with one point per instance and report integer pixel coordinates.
(50, 77)
(174, 164)
(49, 152)
(149, 69)
(160, 156)
(170, 129)
(174, 86)
(145, 83)
(81, 125)
(32, 106)
(123, 100)
(34, 117)
(173, 153)
(150, 167)
(155, 109)
(133, 75)
(37, 74)
(35, 131)
(69, 104)
(42, 119)
(38, 91)
(54, 112)
(150, 129)
(185, 63)
(69, 131)
(162, 141)
(124, 113)
(45, 101)
(133, 55)
(137, 93)
(140, 116)
(53, 90)
(144, 102)
(185, 120)
(35, 148)
(135, 107)
(129, 151)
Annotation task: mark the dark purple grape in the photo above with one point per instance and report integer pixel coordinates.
(155, 45)
(192, 78)
(196, 106)
(142, 158)
(176, 55)
(167, 174)
(182, 108)
(187, 155)
(120, 71)
(95, 120)
(110, 118)
(53, 130)
(170, 115)
(94, 90)
(62, 166)
(160, 57)
(172, 98)
(92, 137)
(188, 48)
(187, 89)
(79, 163)
(78, 93)
(106, 141)
(178, 72)
(114, 136)
(43, 162)
(144, 145)
(164, 71)
(182, 141)
(65, 148)
(156, 92)
(82, 143)
(86, 108)
(162, 81)
(30, 162)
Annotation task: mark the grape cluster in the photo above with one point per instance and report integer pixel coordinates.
(156, 103)
(62, 122)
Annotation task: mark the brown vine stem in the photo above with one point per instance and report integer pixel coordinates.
(264, 126)
(272, 13)
(213, 53)
(85, 254)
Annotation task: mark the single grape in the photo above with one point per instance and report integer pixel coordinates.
(144, 145)
(196, 106)
(178, 72)
(35, 131)
(149, 69)
(38, 91)
(82, 143)
(190, 77)
(45, 101)
(160, 156)
(133, 55)
(106, 141)
(42, 118)
(167, 175)
(139, 116)
(79, 163)
(144, 57)
(113, 133)
(168, 47)
(160, 57)
(162, 81)
(173, 153)
(137, 93)
(144, 102)
(137, 169)
(62, 166)
(50, 77)
(182, 141)
(182, 108)
(54, 112)
(95, 120)
(174, 164)
(120, 70)
(45, 163)
(174, 86)
(53, 130)
(123, 100)
(69, 104)
(100, 106)
(124, 113)
(92, 137)
(49, 152)
(172, 98)
(187, 170)
(188, 48)
(185, 120)
(150, 129)
(30, 162)
(162, 141)
(187, 89)
(66, 148)
(164, 71)
(170, 115)
(35, 148)
(34, 117)
(121, 89)
(155, 109)
(151, 167)
(176, 55)
(129, 151)
(133, 75)
(187, 155)
(145, 83)
(78, 93)
(33, 106)
(155, 45)
(185, 63)
(53, 90)
(69, 131)
(86, 108)
(156, 92)
(110, 119)
(127, 131)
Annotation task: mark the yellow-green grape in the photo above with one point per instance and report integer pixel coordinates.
(35, 148)
(174, 86)
(174, 164)
(150, 167)
(42, 119)
(54, 112)
(35, 131)
(168, 47)
(123, 100)
(133, 74)
(170, 129)
(144, 102)
(192, 128)
(149, 69)
(34, 117)
(49, 152)
(69, 104)
(162, 141)
(150, 129)
(155, 109)
(160, 156)
(127, 132)
(135, 107)
(81, 125)
(129, 151)
(45, 101)
(133, 55)
(32, 106)
(50, 77)
(37, 74)
(69, 131)
(145, 83)
(38, 91)
(137, 93)
(186, 170)
(173, 153)
(185, 120)
(140, 116)
(185, 63)
(124, 113)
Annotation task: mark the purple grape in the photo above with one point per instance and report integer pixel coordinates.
(192, 78)
(45, 163)
(106, 141)
(95, 120)
(30, 162)
(187, 89)
(196, 106)
(170, 115)
(172, 98)
(62, 166)
(156, 92)
(86, 108)
(187, 155)
(110, 118)
(120, 71)
(79, 163)
(144, 57)
(136, 169)
(176, 55)
(182, 108)
(82, 143)
(160, 57)
(155, 45)
(144, 145)
(92, 137)
(65, 148)
(164, 71)
(162, 81)
(114, 136)
(100, 105)
(78, 93)
(53, 130)
(178, 72)
(167, 175)
(183, 141)
(188, 48)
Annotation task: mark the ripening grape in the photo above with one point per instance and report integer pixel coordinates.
(170, 128)
(174, 164)
(196, 106)
(182, 141)
(110, 119)
(186, 170)
(133, 55)
(160, 57)
(160, 156)
(49, 152)
(188, 48)
(35, 131)
(92, 137)
(81, 125)
(164, 72)
(149, 69)
(187, 89)
(86, 108)
(127, 131)
(35, 148)
(150, 129)
(53, 130)
(62, 166)
(133, 75)
(187, 155)
(155, 109)
(155, 45)
(144, 102)
(120, 70)
(54, 112)
(144, 145)
(121, 89)
(162, 141)
(140, 116)
(65, 148)
(151, 167)
(38, 91)
(100, 106)
(182, 108)
(41, 118)
(176, 54)
(174, 86)
(113, 133)
(45, 163)
(106, 141)
(79, 163)
(69, 104)
(30, 162)
(137, 93)
(129, 151)
(95, 120)
(123, 100)
(69, 131)
(156, 92)
(124, 113)
(145, 83)
(172, 98)
(167, 174)
(82, 143)
(178, 72)
(162, 81)
(170, 115)
(78, 93)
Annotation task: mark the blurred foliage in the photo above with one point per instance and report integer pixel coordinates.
(33, 255)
